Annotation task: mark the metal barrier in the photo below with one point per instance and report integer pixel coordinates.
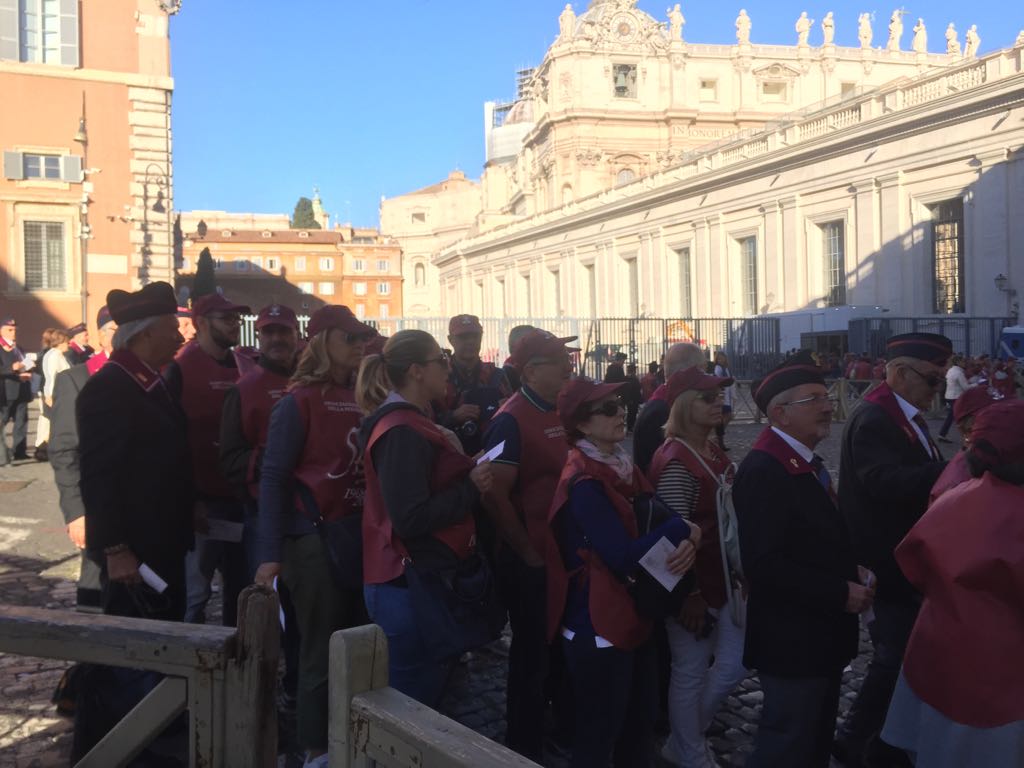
(226, 679)
(372, 724)
(970, 335)
(752, 344)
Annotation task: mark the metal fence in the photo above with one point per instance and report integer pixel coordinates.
(752, 344)
(970, 335)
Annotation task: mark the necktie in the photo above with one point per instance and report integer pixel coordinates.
(923, 425)
(821, 472)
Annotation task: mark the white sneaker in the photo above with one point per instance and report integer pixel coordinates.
(316, 762)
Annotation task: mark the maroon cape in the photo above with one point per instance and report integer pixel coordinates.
(966, 556)
(955, 473)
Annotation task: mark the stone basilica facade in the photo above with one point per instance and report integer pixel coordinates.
(638, 173)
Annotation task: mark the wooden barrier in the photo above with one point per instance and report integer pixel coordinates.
(226, 679)
(372, 724)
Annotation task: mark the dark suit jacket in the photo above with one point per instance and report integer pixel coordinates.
(885, 476)
(136, 477)
(13, 389)
(647, 432)
(797, 558)
(63, 443)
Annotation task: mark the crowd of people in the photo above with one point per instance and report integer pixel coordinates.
(441, 496)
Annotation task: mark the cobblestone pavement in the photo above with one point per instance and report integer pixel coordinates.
(38, 566)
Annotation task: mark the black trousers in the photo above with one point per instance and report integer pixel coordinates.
(16, 411)
(949, 417)
(797, 720)
(889, 632)
(615, 697)
(523, 590)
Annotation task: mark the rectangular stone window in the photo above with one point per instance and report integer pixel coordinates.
(45, 258)
(624, 81)
(326, 289)
(948, 257)
(775, 91)
(300, 263)
(383, 289)
(306, 288)
(419, 218)
(833, 252)
(326, 264)
(847, 90)
(358, 265)
(41, 166)
(685, 282)
(359, 289)
(383, 265)
(748, 267)
(708, 89)
(39, 31)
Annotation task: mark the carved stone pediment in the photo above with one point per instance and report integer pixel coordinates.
(619, 25)
(588, 156)
(776, 71)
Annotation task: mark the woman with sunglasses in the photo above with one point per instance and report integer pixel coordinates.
(687, 470)
(311, 472)
(609, 655)
(421, 491)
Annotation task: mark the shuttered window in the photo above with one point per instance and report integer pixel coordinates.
(40, 31)
(45, 259)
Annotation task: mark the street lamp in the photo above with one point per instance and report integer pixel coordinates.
(84, 230)
(1003, 285)
(154, 175)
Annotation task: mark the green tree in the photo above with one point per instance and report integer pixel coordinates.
(206, 280)
(303, 217)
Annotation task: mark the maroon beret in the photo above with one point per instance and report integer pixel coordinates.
(973, 400)
(931, 347)
(151, 300)
(997, 436)
(799, 368)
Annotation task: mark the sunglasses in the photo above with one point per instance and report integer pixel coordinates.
(442, 361)
(930, 379)
(712, 396)
(357, 338)
(608, 408)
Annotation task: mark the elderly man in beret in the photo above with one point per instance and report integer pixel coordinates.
(805, 586)
(888, 467)
(15, 392)
(78, 345)
(136, 477)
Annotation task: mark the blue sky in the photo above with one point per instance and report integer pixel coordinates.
(364, 99)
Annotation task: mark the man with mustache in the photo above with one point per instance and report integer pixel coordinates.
(199, 378)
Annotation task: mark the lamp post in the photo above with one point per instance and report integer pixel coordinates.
(154, 175)
(1003, 285)
(84, 231)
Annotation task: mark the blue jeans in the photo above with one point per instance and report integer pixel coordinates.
(409, 668)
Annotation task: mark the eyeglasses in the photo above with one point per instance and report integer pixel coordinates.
(816, 399)
(931, 379)
(442, 361)
(712, 396)
(357, 338)
(608, 408)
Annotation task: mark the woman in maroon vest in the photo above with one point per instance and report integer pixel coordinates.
(420, 494)
(610, 659)
(310, 470)
(686, 471)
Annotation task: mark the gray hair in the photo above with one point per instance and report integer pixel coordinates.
(128, 331)
(681, 356)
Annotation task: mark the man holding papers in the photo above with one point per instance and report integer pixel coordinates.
(525, 475)
(806, 588)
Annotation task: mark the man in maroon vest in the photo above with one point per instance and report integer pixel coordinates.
(199, 378)
(246, 415)
(525, 477)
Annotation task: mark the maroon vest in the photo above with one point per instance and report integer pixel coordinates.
(383, 551)
(204, 382)
(96, 362)
(543, 451)
(710, 576)
(258, 391)
(330, 469)
(612, 610)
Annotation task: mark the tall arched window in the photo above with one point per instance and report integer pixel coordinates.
(624, 176)
(420, 275)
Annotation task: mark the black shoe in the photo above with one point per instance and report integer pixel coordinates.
(21, 457)
(944, 439)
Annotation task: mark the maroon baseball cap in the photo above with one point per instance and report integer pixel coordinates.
(277, 314)
(538, 343)
(576, 393)
(693, 378)
(337, 316)
(973, 400)
(8, 320)
(152, 300)
(464, 324)
(215, 302)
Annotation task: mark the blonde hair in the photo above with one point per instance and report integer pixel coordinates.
(379, 374)
(679, 416)
(314, 365)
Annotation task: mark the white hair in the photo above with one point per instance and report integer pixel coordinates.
(128, 331)
(683, 355)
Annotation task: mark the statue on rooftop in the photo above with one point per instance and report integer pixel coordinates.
(803, 29)
(895, 30)
(566, 23)
(952, 44)
(864, 33)
(920, 37)
(675, 23)
(743, 28)
(828, 29)
(973, 42)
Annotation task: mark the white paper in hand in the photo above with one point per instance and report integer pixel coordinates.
(280, 610)
(492, 454)
(654, 563)
(150, 578)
